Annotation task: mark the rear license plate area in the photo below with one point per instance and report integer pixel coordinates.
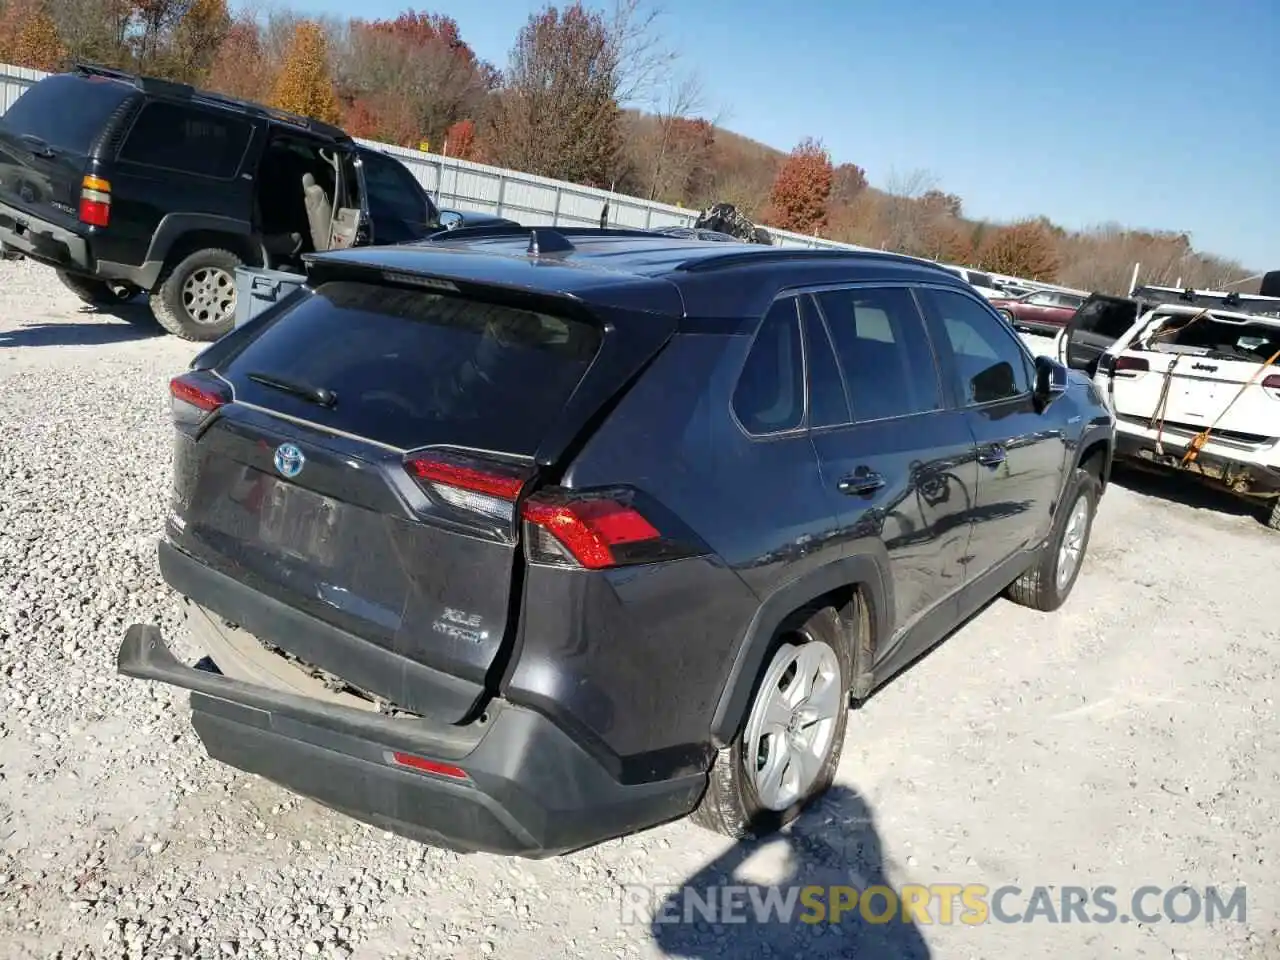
(298, 523)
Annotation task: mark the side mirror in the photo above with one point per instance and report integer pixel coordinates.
(450, 219)
(1051, 381)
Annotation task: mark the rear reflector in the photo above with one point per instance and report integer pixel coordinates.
(1131, 364)
(195, 395)
(428, 766)
(589, 531)
(488, 489)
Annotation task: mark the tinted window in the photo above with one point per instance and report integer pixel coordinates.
(397, 202)
(990, 364)
(411, 367)
(65, 111)
(884, 351)
(193, 141)
(769, 396)
(1106, 317)
(980, 279)
(828, 404)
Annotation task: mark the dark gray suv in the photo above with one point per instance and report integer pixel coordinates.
(527, 539)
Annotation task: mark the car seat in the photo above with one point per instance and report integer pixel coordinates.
(319, 212)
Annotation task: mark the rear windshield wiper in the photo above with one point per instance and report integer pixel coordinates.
(318, 395)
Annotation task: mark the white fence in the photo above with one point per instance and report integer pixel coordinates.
(461, 185)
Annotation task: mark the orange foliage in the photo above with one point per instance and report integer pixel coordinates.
(460, 140)
(240, 66)
(305, 85)
(1025, 249)
(29, 37)
(800, 193)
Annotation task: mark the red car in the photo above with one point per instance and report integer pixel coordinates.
(1042, 311)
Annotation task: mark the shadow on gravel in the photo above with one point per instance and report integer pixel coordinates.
(833, 844)
(1184, 490)
(128, 321)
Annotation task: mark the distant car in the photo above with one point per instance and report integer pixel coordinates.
(982, 282)
(1043, 311)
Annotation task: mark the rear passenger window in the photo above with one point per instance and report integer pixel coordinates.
(192, 141)
(884, 351)
(769, 396)
(828, 405)
(990, 365)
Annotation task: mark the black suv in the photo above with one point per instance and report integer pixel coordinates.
(128, 184)
(527, 539)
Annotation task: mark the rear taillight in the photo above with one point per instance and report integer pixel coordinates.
(194, 396)
(1131, 365)
(480, 487)
(1272, 382)
(591, 531)
(95, 201)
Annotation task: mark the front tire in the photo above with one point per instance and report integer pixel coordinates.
(1271, 514)
(787, 752)
(197, 298)
(1048, 583)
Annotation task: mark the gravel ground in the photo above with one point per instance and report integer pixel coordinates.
(1128, 740)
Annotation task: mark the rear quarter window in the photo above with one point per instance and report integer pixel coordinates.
(410, 366)
(173, 137)
(65, 111)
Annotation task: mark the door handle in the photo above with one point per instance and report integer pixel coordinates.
(992, 456)
(861, 482)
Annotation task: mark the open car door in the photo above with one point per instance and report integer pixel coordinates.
(1098, 323)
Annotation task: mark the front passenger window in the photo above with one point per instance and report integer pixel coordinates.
(769, 397)
(989, 364)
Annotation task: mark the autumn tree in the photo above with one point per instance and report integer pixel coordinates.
(198, 35)
(1024, 249)
(847, 182)
(29, 36)
(240, 66)
(304, 85)
(414, 76)
(460, 140)
(940, 204)
(798, 200)
(558, 114)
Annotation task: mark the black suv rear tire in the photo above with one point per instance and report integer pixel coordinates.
(733, 805)
(196, 300)
(97, 293)
(1041, 588)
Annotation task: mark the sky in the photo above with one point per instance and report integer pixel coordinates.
(1155, 115)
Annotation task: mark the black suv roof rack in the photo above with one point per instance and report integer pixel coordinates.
(723, 261)
(484, 231)
(1233, 301)
(155, 86)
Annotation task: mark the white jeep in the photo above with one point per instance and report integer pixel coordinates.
(1193, 378)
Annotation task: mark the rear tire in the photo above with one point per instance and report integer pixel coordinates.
(1271, 514)
(97, 293)
(786, 754)
(1048, 583)
(197, 298)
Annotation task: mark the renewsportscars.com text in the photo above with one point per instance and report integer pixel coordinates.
(938, 903)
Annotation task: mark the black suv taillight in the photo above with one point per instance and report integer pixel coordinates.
(591, 530)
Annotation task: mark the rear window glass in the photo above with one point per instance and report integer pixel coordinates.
(411, 367)
(66, 112)
(1220, 339)
(1107, 318)
(981, 280)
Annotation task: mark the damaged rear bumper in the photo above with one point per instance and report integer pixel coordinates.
(513, 783)
(1214, 463)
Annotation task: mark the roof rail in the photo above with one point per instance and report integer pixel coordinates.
(723, 261)
(154, 85)
(485, 230)
(1233, 301)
